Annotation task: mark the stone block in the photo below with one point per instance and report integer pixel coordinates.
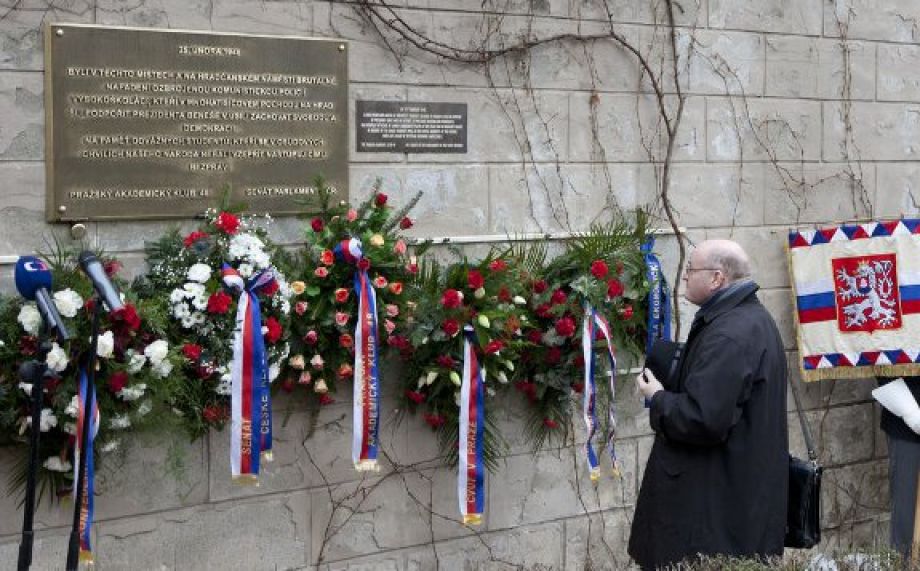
(766, 248)
(23, 110)
(555, 484)
(883, 20)
(798, 194)
(707, 196)
(854, 492)
(899, 190)
(189, 15)
(598, 541)
(538, 8)
(763, 130)
(530, 547)
(640, 12)
(848, 391)
(49, 512)
(842, 435)
(208, 537)
(779, 303)
(375, 514)
(881, 131)
(801, 17)
(726, 62)
(279, 17)
(601, 65)
(898, 78)
(22, 33)
(855, 538)
(49, 550)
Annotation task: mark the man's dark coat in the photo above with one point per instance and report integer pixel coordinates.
(717, 476)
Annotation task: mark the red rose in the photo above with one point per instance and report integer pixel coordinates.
(341, 295)
(539, 286)
(494, 346)
(451, 327)
(274, 330)
(317, 224)
(364, 264)
(599, 269)
(405, 223)
(310, 338)
(213, 414)
(111, 267)
(553, 356)
(300, 307)
(452, 299)
(345, 371)
(535, 336)
(614, 288)
(475, 279)
(271, 288)
(219, 302)
(191, 351)
(346, 341)
(504, 295)
(227, 223)
(435, 421)
(498, 265)
(380, 199)
(627, 312)
(579, 360)
(327, 258)
(127, 318)
(550, 423)
(396, 288)
(412, 268)
(117, 381)
(415, 396)
(194, 237)
(565, 327)
(445, 361)
(558, 297)
(542, 310)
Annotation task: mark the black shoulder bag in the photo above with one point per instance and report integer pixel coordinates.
(803, 518)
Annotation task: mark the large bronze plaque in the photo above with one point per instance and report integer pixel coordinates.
(156, 123)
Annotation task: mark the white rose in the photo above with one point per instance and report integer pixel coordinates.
(162, 369)
(57, 358)
(120, 422)
(68, 302)
(106, 345)
(136, 363)
(30, 319)
(273, 371)
(55, 464)
(199, 273)
(223, 387)
(48, 420)
(157, 351)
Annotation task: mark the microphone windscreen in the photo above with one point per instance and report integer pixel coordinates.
(31, 275)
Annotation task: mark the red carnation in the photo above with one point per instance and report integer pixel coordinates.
(219, 302)
(227, 223)
(542, 310)
(380, 199)
(565, 326)
(191, 351)
(435, 421)
(451, 327)
(346, 340)
(553, 356)
(494, 346)
(415, 396)
(452, 299)
(539, 286)
(364, 264)
(271, 288)
(627, 312)
(599, 269)
(614, 288)
(445, 361)
(558, 297)
(118, 381)
(550, 423)
(274, 330)
(194, 237)
(498, 265)
(475, 279)
(405, 223)
(535, 336)
(127, 318)
(504, 295)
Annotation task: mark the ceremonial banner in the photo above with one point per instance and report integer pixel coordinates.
(857, 297)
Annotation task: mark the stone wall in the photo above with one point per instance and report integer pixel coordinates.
(797, 112)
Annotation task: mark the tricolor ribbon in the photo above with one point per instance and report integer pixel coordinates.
(251, 408)
(659, 299)
(366, 388)
(471, 473)
(86, 502)
(593, 323)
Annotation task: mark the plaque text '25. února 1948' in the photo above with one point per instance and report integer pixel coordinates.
(154, 124)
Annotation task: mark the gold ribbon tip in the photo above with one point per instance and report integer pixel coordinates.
(246, 480)
(472, 519)
(367, 466)
(86, 558)
(595, 475)
(268, 456)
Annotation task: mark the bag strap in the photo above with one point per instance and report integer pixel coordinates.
(809, 443)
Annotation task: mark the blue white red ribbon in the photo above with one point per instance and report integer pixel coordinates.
(86, 502)
(251, 410)
(659, 299)
(593, 323)
(366, 408)
(471, 473)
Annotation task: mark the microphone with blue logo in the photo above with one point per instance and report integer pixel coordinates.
(33, 280)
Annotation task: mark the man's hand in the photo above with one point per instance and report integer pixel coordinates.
(647, 384)
(913, 421)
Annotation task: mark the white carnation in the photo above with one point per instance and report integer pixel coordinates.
(193, 289)
(176, 296)
(199, 273)
(156, 352)
(136, 363)
(47, 422)
(55, 464)
(133, 393)
(26, 388)
(162, 369)
(68, 302)
(57, 358)
(106, 345)
(73, 407)
(110, 446)
(144, 408)
(245, 270)
(121, 421)
(30, 319)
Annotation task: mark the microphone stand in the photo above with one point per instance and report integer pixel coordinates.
(73, 548)
(33, 372)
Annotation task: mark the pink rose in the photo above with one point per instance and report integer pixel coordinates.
(392, 310)
(341, 318)
(390, 326)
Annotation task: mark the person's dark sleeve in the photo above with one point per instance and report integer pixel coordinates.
(715, 390)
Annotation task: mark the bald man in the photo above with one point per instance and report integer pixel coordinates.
(716, 480)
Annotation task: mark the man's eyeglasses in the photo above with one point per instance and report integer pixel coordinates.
(688, 269)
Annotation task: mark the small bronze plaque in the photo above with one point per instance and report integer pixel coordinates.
(155, 123)
(410, 127)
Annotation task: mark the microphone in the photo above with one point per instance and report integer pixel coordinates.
(33, 279)
(93, 269)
